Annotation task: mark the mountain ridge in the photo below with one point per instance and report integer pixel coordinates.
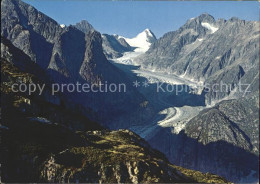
(49, 46)
(195, 51)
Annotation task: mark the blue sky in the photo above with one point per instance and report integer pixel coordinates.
(128, 18)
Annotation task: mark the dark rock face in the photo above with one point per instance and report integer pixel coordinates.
(223, 139)
(15, 71)
(29, 30)
(70, 55)
(16, 12)
(206, 50)
(67, 59)
(234, 122)
(113, 46)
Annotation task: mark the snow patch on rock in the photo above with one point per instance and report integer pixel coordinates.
(210, 27)
(41, 120)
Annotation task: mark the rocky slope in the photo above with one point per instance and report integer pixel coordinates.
(122, 158)
(114, 46)
(40, 144)
(69, 56)
(223, 139)
(51, 106)
(84, 26)
(232, 121)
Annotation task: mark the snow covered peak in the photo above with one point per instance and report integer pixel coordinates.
(62, 25)
(142, 41)
(149, 33)
(210, 27)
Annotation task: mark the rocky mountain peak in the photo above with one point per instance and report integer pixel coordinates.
(205, 17)
(149, 33)
(197, 22)
(21, 15)
(150, 37)
(203, 24)
(142, 41)
(84, 26)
